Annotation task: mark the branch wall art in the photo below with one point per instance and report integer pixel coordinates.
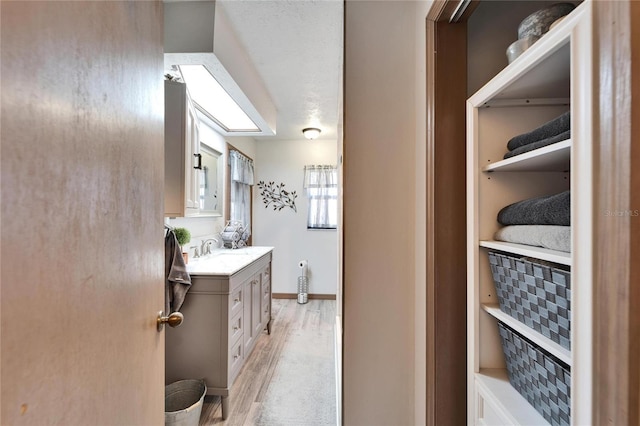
(276, 196)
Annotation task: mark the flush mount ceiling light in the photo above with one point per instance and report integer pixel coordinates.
(311, 133)
(214, 101)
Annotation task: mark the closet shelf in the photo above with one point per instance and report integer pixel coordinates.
(543, 71)
(560, 257)
(494, 382)
(551, 158)
(547, 344)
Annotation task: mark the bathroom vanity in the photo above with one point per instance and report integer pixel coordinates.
(225, 311)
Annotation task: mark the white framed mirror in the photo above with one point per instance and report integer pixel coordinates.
(211, 182)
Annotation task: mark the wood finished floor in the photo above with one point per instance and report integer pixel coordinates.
(248, 394)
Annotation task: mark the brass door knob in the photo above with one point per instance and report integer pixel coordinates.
(174, 320)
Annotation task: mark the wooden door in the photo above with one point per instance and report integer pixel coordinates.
(82, 213)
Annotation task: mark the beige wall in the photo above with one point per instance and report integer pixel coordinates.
(380, 168)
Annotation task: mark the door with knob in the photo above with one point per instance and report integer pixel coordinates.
(82, 247)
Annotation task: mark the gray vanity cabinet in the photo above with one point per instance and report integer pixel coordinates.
(223, 318)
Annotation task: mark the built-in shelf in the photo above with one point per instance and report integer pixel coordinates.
(543, 71)
(551, 158)
(544, 342)
(495, 382)
(555, 256)
(551, 77)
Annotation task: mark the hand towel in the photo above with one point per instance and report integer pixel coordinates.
(177, 279)
(551, 128)
(547, 210)
(539, 144)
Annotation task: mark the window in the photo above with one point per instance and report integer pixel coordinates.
(321, 186)
(240, 197)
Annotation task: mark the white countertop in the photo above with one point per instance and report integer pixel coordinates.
(226, 261)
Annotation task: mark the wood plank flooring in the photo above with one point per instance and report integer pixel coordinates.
(274, 384)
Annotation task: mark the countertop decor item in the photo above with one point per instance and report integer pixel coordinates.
(538, 23)
(183, 236)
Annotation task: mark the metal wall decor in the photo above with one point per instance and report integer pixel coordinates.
(277, 196)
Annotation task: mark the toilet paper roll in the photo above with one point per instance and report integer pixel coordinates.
(303, 268)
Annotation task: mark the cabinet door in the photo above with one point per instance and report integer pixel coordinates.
(193, 161)
(256, 306)
(265, 308)
(248, 286)
(181, 153)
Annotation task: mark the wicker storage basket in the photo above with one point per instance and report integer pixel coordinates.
(535, 294)
(541, 378)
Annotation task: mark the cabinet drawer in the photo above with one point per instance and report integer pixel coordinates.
(266, 288)
(266, 273)
(236, 299)
(487, 413)
(236, 328)
(266, 309)
(236, 356)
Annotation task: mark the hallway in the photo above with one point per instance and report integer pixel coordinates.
(290, 377)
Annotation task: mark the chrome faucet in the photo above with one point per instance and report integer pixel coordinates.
(205, 247)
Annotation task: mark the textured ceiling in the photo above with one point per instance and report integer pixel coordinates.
(296, 46)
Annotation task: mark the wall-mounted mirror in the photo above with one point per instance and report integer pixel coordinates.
(211, 176)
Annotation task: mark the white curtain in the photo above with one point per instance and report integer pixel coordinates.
(241, 181)
(321, 185)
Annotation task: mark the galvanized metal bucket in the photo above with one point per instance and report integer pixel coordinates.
(183, 402)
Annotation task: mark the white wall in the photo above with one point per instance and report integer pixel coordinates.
(286, 230)
(203, 226)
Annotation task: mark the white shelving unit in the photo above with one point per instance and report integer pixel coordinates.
(530, 91)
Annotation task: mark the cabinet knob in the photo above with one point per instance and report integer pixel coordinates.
(237, 299)
(174, 320)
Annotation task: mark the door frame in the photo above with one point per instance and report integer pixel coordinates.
(616, 310)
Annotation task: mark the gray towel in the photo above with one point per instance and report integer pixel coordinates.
(547, 210)
(548, 236)
(177, 279)
(539, 144)
(551, 128)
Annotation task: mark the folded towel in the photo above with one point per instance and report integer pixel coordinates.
(177, 279)
(230, 236)
(548, 236)
(547, 210)
(551, 128)
(539, 144)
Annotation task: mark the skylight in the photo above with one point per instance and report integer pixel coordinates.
(214, 101)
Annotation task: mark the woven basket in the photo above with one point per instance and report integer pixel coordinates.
(541, 378)
(535, 294)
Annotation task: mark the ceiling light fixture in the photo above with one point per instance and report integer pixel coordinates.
(311, 133)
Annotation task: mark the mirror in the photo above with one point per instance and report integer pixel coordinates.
(210, 194)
